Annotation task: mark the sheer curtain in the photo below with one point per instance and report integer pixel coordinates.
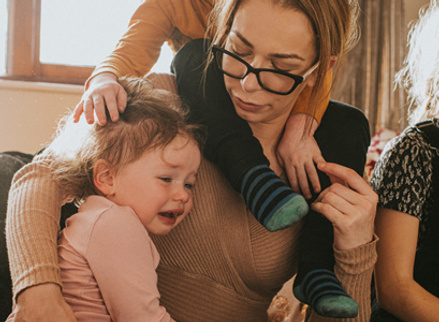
(366, 78)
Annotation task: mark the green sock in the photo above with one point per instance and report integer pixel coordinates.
(321, 290)
(273, 203)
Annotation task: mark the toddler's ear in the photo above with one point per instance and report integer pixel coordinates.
(103, 178)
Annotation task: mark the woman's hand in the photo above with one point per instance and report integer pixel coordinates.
(103, 93)
(349, 204)
(298, 153)
(43, 302)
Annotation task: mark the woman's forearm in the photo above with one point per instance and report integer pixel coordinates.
(34, 208)
(410, 302)
(397, 292)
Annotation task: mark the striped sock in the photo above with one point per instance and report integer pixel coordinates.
(321, 290)
(271, 201)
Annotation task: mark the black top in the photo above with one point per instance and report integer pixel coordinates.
(406, 178)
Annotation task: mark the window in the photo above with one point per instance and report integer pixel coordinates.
(62, 40)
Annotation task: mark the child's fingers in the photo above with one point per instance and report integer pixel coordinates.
(303, 182)
(89, 110)
(99, 109)
(79, 109)
(292, 178)
(313, 177)
(112, 107)
(121, 100)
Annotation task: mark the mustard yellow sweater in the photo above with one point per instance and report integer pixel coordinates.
(219, 264)
(177, 22)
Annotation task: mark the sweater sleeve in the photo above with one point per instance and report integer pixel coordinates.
(303, 101)
(32, 225)
(354, 268)
(153, 23)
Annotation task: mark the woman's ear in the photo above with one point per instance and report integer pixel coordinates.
(103, 178)
(332, 62)
(311, 79)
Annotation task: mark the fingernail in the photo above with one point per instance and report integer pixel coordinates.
(321, 165)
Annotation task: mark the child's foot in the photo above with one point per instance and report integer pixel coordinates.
(321, 290)
(271, 201)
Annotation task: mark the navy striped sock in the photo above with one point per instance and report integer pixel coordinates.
(321, 290)
(271, 201)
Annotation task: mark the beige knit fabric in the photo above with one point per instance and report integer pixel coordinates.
(220, 264)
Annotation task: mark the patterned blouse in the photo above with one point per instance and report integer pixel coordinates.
(403, 177)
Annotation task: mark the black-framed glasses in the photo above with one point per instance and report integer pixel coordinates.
(272, 80)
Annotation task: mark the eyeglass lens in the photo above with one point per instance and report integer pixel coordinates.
(269, 79)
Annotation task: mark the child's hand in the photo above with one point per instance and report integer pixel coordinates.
(298, 153)
(104, 92)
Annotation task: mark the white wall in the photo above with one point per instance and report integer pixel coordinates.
(29, 111)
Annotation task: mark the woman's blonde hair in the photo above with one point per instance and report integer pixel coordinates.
(334, 23)
(152, 119)
(420, 73)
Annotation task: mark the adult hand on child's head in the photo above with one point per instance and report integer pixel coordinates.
(298, 153)
(349, 203)
(43, 302)
(104, 92)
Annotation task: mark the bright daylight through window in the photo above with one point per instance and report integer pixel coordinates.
(73, 34)
(82, 32)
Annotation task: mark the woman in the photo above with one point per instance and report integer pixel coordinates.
(221, 265)
(406, 178)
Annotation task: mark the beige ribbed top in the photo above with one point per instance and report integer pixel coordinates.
(219, 264)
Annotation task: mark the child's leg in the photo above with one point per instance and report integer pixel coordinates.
(231, 145)
(316, 283)
(343, 137)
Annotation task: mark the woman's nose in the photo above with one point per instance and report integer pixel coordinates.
(250, 83)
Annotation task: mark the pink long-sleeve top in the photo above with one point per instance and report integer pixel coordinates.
(108, 263)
